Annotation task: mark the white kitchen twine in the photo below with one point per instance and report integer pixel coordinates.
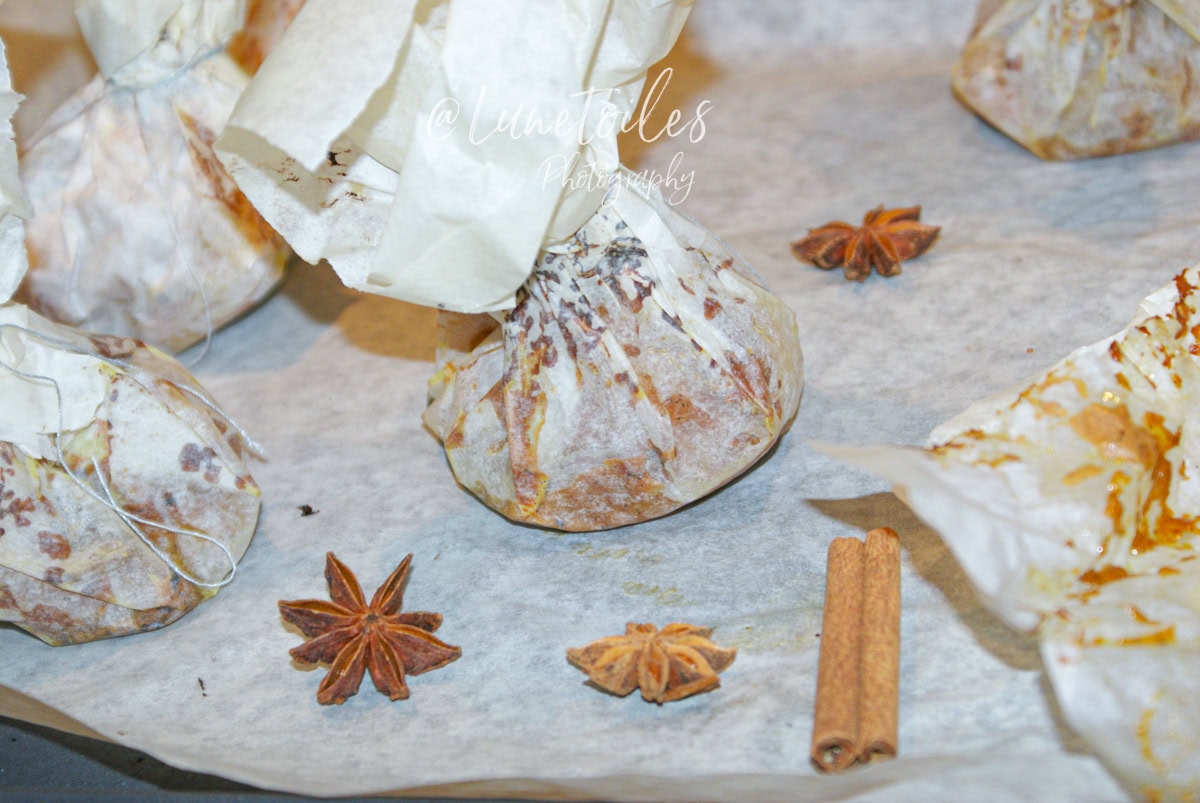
(131, 520)
(179, 242)
(73, 280)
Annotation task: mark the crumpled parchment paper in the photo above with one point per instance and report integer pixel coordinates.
(1072, 505)
(801, 131)
(435, 147)
(138, 229)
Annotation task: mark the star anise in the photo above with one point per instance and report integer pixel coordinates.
(885, 239)
(667, 665)
(354, 637)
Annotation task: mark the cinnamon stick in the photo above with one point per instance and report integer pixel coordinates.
(835, 719)
(880, 674)
(858, 672)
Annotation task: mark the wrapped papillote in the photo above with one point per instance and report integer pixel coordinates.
(124, 500)
(641, 369)
(138, 229)
(464, 156)
(1077, 78)
(128, 511)
(1074, 506)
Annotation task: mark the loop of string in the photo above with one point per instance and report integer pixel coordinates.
(73, 279)
(107, 499)
(111, 86)
(179, 241)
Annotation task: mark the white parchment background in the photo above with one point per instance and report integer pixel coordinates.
(819, 111)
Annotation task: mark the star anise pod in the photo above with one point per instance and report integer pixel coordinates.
(885, 239)
(354, 637)
(667, 664)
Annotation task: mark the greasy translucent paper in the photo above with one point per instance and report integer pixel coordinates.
(128, 511)
(1077, 79)
(641, 369)
(124, 500)
(138, 230)
(1074, 506)
(14, 206)
(428, 150)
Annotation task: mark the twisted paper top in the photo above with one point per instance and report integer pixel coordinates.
(145, 42)
(447, 132)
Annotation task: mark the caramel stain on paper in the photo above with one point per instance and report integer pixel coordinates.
(54, 545)
(52, 619)
(589, 551)
(1136, 615)
(1112, 431)
(114, 347)
(1145, 745)
(667, 596)
(743, 440)
(753, 377)
(1156, 639)
(624, 479)
(1113, 507)
(1103, 575)
(12, 506)
(193, 458)
(755, 640)
(593, 552)
(454, 439)
(264, 24)
(680, 409)
(1081, 474)
(240, 211)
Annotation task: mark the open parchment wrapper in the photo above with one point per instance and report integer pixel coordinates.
(1074, 506)
(1071, 79)
(428, 150)
(641, 369)
(138, 229)
(118, 479)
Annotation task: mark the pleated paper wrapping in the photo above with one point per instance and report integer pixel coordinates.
(418, 147)
(641, 369)
(1076, 79)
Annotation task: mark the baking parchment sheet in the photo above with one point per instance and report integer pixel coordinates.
(1034, 260)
